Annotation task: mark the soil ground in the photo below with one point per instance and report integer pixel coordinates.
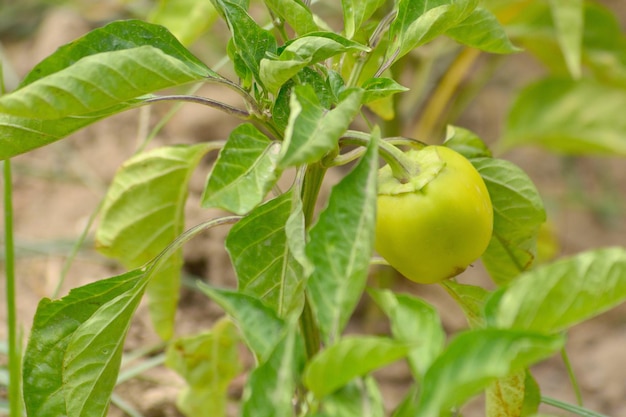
(57, 188)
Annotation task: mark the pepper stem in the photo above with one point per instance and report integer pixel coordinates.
(402, 167)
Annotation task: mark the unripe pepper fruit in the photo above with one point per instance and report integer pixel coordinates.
(433, 226)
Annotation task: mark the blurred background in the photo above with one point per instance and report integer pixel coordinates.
(57, 190)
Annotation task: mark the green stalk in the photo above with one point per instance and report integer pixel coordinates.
(14, 348)
(312, 182)
(572, 377)
(575, 409)
(402, 167)
(15, 357)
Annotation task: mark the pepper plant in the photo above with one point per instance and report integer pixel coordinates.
(320, 89)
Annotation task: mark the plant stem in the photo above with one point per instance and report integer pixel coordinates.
(310, 330)
(242, 114)
(580, 411)
(311, 184)
(401, 167)
(572, 377)
(15, 357)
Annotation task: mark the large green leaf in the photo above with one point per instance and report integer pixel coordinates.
(98, 82)
(516, 395)
(54, 324)
(381, 88)
(94, 353)
(312, 131)
(341, 243)
(261, 327)
(350, 357)
(569, 117)
(476, 358)
(518, 214)
(482, 30)
(416, 322)
(143, 212)
(294, 12)
(264, 261)
(281, 110)
(356, 12)
(562, 33)
(571, 290)
(359, 398)
(186, 19)
(100, 74)
(22, 134)
(271, 386)
(81, 339)
(117, 36)
(302, 52)
(466, 142)
(244, 172)
(471, 299)
(569, 25)
(420, 21)
(604, 44)
(249, 40)
(208, 362)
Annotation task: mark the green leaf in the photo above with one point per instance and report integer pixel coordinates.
(416, 322)
(505, 396)
(98, 82)
(22, 134)
(302, 52)
(604, 44)
(481, 30)
(250, 41)
(271, 386)
(341, 243)
(117, 36)
(244, 172)
(294, 12)
(420, 21)
(350, 357)
(239, 65)
(380, 88)
(187, 19)
(532, 396)
(94, 353)
(359, 398)
(569, 25)
(568, 117)
(476, 358)
(572, 290)
(518, 214)
(143, 212)
(356, 12)
(517, 395)
(208, 362)
(281, 110)
(471, 299)
(260, 326)
(466, 143)
(262, 257)
(54, 324)
(311, 130)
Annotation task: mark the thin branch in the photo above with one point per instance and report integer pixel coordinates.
(234, 111)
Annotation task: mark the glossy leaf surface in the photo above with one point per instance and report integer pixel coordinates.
(340, 246)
